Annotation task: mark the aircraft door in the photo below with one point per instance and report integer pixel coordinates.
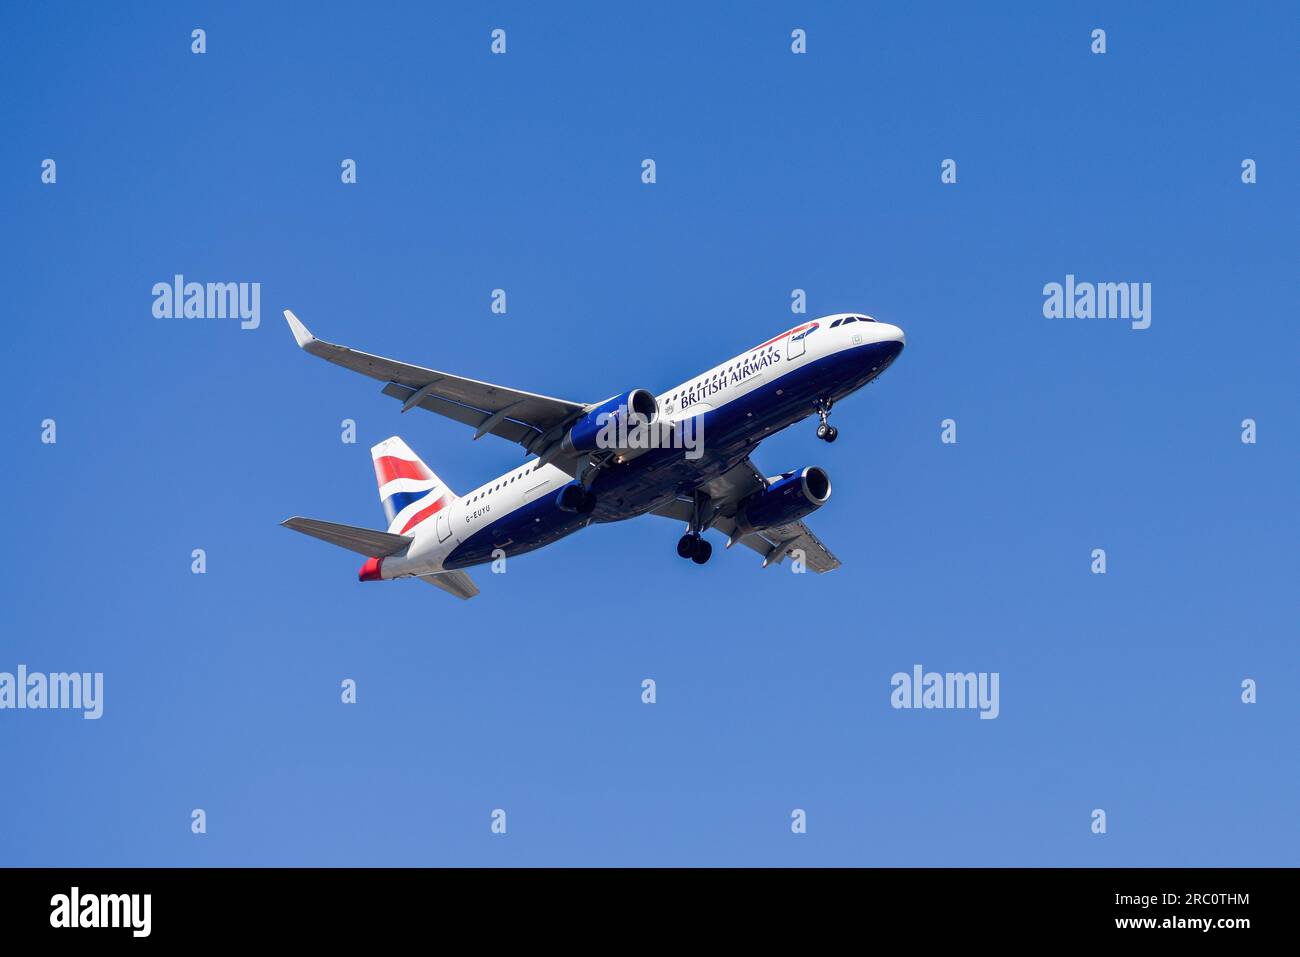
(795, 345)
(444, 525)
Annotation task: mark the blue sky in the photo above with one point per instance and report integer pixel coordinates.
(775, 171)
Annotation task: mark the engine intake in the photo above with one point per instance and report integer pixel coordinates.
(788, 499)
(613, 419)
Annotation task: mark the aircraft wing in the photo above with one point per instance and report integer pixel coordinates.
(527, 418)
(785, 539)
(738, 482)
(726, 492)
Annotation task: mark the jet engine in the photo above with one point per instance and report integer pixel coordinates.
(787, 499)
(616, 419)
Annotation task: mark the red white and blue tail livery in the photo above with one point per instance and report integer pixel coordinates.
(682, 453)
(409, 491)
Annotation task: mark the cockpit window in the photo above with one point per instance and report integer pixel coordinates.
(836, 323)
(865, 319)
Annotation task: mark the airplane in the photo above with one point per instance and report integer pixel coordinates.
(682, 454)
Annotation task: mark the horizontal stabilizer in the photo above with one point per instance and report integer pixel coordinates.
(456, 582)
(363, 541)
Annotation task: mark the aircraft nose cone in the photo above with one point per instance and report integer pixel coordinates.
(893, 334)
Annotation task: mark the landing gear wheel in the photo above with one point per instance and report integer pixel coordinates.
(702, 551)
(686, 546)
(825, 431)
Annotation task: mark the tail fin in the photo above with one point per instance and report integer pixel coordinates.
(409, 490)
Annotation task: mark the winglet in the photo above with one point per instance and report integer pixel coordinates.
(301, 334)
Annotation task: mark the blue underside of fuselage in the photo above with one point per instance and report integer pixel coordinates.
(729, 434)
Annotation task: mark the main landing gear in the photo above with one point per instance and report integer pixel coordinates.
(692, 545)
(825, 431)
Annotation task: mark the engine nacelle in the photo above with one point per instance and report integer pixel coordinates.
(574, 497)
(614, 418)
(788, 499)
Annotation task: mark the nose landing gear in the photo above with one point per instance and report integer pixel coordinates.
(825, 431)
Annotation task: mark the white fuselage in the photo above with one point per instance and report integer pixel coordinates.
(711, 390)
